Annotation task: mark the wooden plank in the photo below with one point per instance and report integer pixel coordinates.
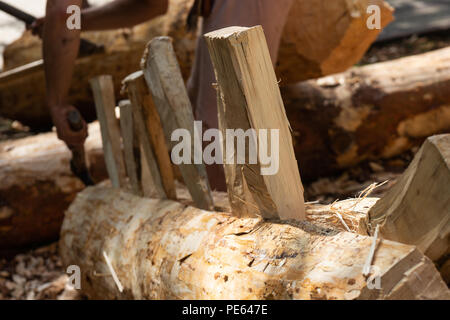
(163, 76)
(130, 142)
(251, 99)
(416, 210)
(144, 99)
(152, 181)
(105, 104)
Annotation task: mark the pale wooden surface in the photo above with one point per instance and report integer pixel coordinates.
(151, 177)
(416, 210)
(130, 141)
(251, 99)
(105, 105)
(163, 76)
(162, 249)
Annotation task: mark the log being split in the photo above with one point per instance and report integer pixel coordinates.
(417, 209)
(37, 186)
(371, 112)
(250, 101)
(130, 146)
(161, 249)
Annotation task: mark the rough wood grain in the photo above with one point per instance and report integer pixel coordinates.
(37, 186)
(251, 99)
(162, 249)
(163, 76)
(417, 209)
(152, 179)
(105, 105)
(130, 144)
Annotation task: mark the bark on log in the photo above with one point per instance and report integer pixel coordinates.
(308, 49)
(371, 112)
(37, 186)
(161, 249)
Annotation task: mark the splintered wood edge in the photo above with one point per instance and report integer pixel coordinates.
(228, 32)
(155, 41)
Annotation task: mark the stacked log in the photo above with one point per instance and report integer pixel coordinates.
(372, 112)
(336, 120)
(22, 90)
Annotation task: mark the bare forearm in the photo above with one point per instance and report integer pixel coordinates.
(122, 14)
(60, 51)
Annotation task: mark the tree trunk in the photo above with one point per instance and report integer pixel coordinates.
(37, 186)
(161, 249)
(308, 50)
(371, 112)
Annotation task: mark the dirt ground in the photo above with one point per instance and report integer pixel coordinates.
(38, 274)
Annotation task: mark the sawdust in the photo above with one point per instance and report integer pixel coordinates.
(35, 275)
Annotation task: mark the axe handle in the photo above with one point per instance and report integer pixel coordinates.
(17, 13)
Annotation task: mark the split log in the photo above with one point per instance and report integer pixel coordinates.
(151, 176)
(367, 113)
(250, 101)
(37, 186)
(162, 249)
(158, 161)
(163, 77)
(308, 49)
(417, 209)
(105, 104)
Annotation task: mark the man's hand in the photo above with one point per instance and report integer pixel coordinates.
(65, 133)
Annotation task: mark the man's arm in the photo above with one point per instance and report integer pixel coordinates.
(60, 51)
(61, 47)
